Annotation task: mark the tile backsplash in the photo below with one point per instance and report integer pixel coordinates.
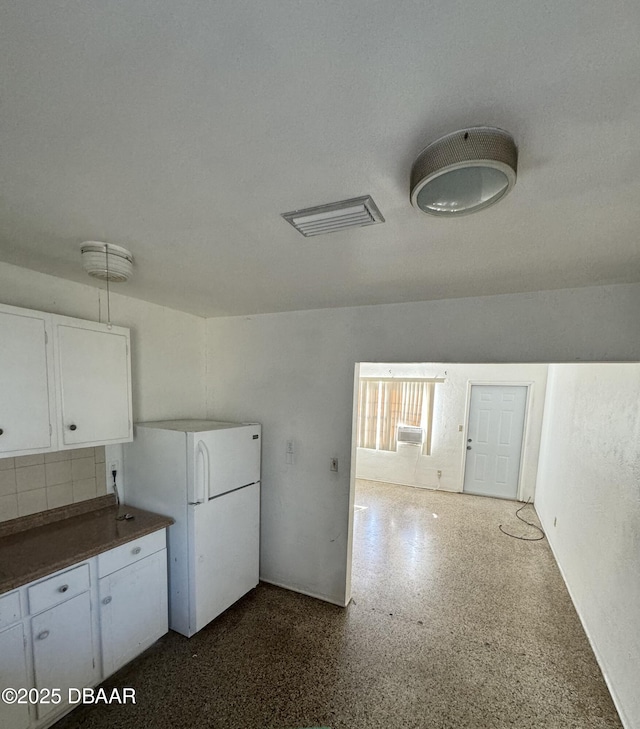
(36, 483)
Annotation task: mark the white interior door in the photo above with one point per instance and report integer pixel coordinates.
(494, 440)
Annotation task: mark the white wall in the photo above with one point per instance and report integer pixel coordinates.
(448, 445)
(294, 373)
(167, 346)
(589, 481)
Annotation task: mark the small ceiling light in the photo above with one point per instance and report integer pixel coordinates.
(106, 261)
(353, 213)
(464, 172)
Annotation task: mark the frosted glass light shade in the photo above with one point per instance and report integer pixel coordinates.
(119, 266)
(464, 172)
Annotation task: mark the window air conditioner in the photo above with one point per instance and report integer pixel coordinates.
(410, 435)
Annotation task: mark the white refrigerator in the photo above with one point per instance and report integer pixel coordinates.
(206, 475)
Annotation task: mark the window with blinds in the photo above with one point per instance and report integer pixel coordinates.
(383, 405)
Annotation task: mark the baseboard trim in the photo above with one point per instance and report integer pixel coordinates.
(424, 487)
(599, 659)
(324, 598)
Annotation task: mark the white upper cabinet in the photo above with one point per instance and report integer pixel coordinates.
(26, 400)
(64, 383)
(94, 376)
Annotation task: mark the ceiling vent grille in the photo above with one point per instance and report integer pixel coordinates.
(336, 216)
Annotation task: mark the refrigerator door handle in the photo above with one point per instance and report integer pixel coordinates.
(201, 485)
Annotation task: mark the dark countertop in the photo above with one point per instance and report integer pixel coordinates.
(37, 549)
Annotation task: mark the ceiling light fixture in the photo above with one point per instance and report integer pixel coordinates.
(464, 172)
(353, 213)
(107, 262)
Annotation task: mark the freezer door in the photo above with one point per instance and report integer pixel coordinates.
(224, 553)
(226, 459)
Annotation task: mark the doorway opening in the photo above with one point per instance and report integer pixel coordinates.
(451, 427)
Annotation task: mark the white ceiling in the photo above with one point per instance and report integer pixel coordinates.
(182, 130)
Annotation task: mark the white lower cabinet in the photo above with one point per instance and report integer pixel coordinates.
(74, 628)
(63, 649)
(133, 610)
(13, 674)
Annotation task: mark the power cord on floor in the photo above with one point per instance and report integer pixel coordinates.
(531, 524)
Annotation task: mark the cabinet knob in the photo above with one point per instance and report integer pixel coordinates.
(137, 550)
(63, 588)
(1, 431)
(107, 600)
(73, 427)
(43, 635)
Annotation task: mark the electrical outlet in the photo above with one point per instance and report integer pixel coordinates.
(289, 452)
(439, 473)
(334, 464)
(114, 466)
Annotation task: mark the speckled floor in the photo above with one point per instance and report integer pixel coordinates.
(452, 625)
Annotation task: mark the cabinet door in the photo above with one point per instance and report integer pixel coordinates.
(133, 610)
(95, 383)
(13, 674)
(25, 404)
(63, 648)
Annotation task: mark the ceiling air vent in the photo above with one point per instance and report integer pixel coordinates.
(336, 216)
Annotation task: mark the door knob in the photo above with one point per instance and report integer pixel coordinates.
(73, 427)
(468, 448)
(469, 440)
(1, 431)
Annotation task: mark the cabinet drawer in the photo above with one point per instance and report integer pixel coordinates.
(9, 609)
(130, 552)
(59, 588)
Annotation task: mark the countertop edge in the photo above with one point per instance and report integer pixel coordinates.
(160, 522)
